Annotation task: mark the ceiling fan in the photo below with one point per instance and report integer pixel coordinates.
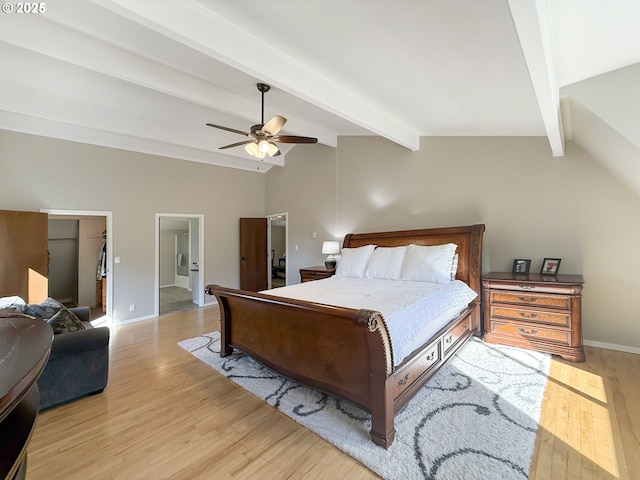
(263, 137)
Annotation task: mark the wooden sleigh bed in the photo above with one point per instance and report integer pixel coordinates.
(348, 352)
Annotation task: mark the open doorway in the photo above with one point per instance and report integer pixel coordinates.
(179, 262)
(277, 244)
(80, 260)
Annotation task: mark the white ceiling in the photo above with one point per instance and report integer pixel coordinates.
(148, 75)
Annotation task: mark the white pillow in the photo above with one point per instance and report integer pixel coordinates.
(429, 263)
(9, 302)
(353, 262)
(386, 263)
(454, 267)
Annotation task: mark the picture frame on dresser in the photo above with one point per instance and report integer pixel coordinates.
(521, 266)
(550, 266)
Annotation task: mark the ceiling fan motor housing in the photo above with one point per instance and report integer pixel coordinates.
(263, 87)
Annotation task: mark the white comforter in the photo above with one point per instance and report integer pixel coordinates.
(413, 311)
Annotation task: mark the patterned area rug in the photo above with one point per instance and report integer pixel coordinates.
(475, 419)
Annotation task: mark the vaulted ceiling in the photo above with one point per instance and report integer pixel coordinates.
(148, 75)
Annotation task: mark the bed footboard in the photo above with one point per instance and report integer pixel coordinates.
(343, 351)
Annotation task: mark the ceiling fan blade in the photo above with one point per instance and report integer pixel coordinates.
(294, 139)
(274, 125)
(236, 144)
(227, 129)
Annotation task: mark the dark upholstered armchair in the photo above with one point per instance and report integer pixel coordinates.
(78, 364)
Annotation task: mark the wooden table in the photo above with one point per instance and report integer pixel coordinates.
(25, 345)
(315, 273)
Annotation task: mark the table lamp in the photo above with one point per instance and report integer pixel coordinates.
(329, 248)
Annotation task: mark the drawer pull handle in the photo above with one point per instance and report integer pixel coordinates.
(527, 331)
(402, 381)
(528, 299)
(431, 356)
(527, 287)
(528, 315)
(448, 339)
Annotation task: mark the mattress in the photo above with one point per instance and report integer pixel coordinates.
(412, 311)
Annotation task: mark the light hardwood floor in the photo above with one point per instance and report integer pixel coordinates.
(165, 414)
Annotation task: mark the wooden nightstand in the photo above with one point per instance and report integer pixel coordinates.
(315, 273)
(538, 312)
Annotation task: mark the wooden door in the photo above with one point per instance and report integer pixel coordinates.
(24, 256)
(253, 254)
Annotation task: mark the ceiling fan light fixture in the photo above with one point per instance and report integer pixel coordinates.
(252, 149)
(273, 149)
(265, 136)
(264, 146)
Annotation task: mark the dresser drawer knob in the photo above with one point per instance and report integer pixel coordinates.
(448, 339)
(527, 299)
(431, 356)
(528, 315)
(527, 331)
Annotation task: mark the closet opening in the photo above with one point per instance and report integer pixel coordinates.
(80, 260)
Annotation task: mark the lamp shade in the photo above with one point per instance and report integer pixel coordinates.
(252, 149)
(330, 247)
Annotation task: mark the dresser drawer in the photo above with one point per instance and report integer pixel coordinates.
(531, 332)
(560, 302)
(310, 276)
(530, 315)
(315, 273)
(526, 287)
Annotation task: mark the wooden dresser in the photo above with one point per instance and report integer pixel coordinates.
(538, 312)
(315, 273)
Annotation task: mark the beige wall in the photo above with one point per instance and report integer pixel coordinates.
(306, 190)
(533, 205)
(45, 173)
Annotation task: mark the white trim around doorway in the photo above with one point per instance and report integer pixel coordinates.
(109, 218)
(286, 244)
(201, 262)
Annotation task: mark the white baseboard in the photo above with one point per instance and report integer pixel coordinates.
(149, 317)
(612, 346)
(134, 320)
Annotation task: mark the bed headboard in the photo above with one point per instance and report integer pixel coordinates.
(468, 238)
